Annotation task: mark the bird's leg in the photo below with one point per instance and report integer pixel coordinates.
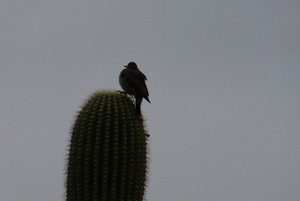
(122, 92)
(125, 93)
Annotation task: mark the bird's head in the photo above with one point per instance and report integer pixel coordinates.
(131, 66)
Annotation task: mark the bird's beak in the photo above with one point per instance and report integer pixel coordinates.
(125, 66)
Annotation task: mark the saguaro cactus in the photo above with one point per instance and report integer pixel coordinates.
(107, 158)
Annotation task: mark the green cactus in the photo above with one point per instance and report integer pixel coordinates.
(107, 158)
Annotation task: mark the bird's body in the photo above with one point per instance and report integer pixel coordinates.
(132, 81)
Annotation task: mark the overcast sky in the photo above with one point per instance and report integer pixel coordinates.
(223, 78)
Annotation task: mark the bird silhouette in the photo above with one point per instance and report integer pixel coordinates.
(132, 81)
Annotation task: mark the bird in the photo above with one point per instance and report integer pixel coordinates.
(132, 81)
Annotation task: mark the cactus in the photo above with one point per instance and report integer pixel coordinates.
(107, 158)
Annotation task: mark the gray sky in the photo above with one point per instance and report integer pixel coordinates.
(223, 78)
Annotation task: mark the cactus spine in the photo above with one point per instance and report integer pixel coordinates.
(107, 158)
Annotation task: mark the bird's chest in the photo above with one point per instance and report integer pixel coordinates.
(126, 86)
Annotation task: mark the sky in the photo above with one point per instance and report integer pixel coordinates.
(223, 78)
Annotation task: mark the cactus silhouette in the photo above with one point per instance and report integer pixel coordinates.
(107, 158)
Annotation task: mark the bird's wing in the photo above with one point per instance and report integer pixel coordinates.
(136, 80)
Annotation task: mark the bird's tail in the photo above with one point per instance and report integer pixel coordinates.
(138, 102)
